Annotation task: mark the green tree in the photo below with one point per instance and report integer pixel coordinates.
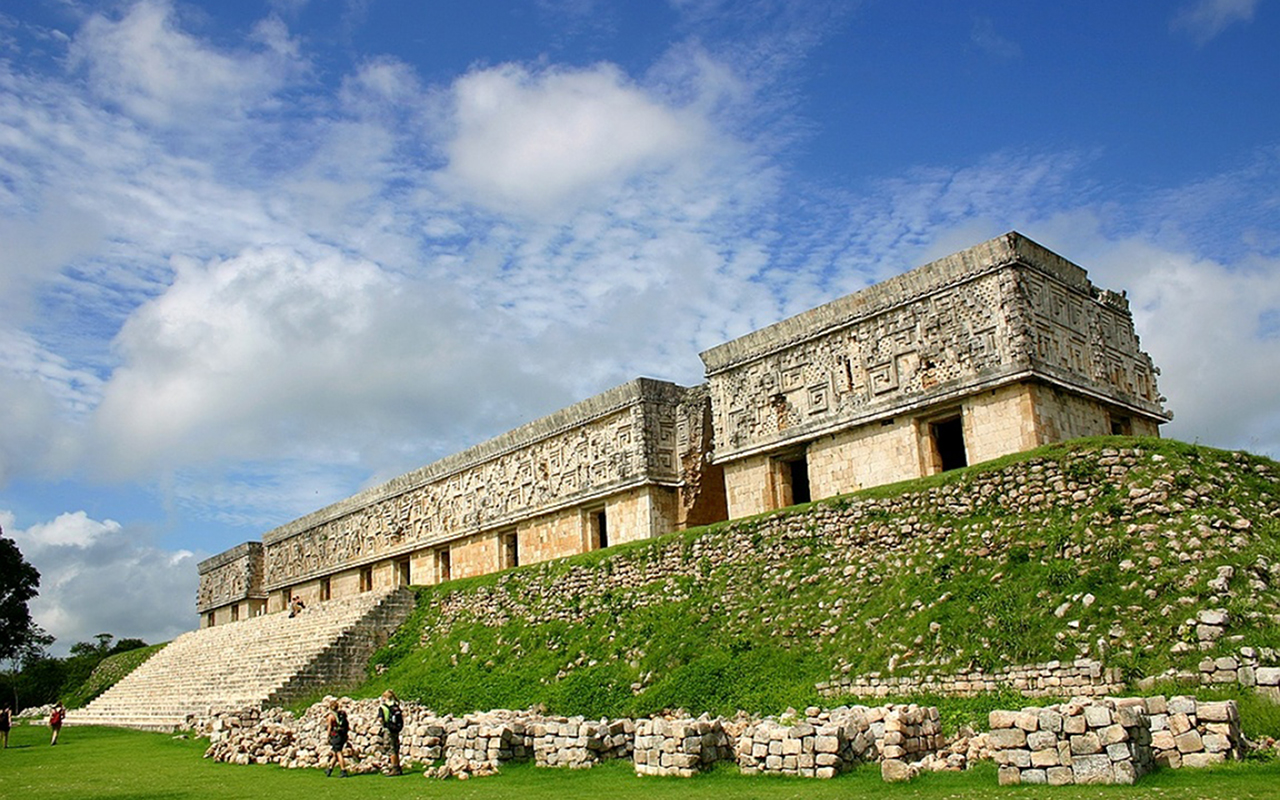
(19, 582)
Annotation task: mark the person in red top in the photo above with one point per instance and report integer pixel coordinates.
(55, 721)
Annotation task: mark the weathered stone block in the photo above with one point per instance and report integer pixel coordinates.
(1093, 769)
(1084, 744)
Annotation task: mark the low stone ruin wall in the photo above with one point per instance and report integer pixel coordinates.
(1087, 740)
(1082, 677)
(1112, 740)
(1190, 733)
(821, 746)
(578, 743)
(1068, 743)
(680, 747)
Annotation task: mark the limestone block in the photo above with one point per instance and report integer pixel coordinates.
(1124, 772)
(1216, 743)
(1189, 742)
(1200, 760)
(1084, 744)
(1007, 738)
(1097, 716)
(1009, 776)
(1050, 720)
(1060, 776)
(1224, 711)
(1045, 758)
(893, 770)
(1182, 704)
(1113, 734)
(1093, 769)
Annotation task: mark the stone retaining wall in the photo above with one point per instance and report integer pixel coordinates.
(1081, 677)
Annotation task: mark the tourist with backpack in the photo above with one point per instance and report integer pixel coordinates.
(392, 723)
(339, 728)
(55, 721)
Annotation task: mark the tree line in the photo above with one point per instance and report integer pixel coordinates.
(31, 677)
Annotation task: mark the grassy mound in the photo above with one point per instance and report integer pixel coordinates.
(110, 671)
(1105, 548)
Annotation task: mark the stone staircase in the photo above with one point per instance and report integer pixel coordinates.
(258, 662)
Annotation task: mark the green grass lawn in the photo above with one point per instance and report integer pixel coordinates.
(128, 765)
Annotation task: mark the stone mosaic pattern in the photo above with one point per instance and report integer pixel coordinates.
(622, 438)
(231, 576)
(989, 315)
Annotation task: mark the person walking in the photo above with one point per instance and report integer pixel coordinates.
(6, 722)
(339, 728)
(55, 721)
(392, 723)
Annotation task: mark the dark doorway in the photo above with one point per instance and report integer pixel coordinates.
(798, 476)
(510, 550)
(444, 569)
(599, 529)
(402, 572)
(326, 589)
(948, 440)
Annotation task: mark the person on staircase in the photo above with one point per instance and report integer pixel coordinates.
(392, 723)
(296, 606)
(338, 728)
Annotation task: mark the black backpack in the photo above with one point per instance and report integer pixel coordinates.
(393, 718)
(343, 724)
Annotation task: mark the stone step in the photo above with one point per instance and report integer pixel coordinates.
(267, 659)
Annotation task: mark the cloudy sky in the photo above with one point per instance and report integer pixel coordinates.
(257, 255)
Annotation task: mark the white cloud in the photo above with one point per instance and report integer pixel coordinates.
(166, 76)
(1204, 322)
(1205, 19)
(985, 37)
(97, 576)
(534, 142)
(274, 353)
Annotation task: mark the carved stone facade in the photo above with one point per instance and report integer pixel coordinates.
(997, 349)
(231, 585)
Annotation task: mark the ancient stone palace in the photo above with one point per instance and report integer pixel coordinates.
(997, 349)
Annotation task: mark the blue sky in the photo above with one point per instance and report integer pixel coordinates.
(256, 256)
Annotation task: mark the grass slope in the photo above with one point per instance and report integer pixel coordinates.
(1052, 554)
(115, 764)
(110, 671)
